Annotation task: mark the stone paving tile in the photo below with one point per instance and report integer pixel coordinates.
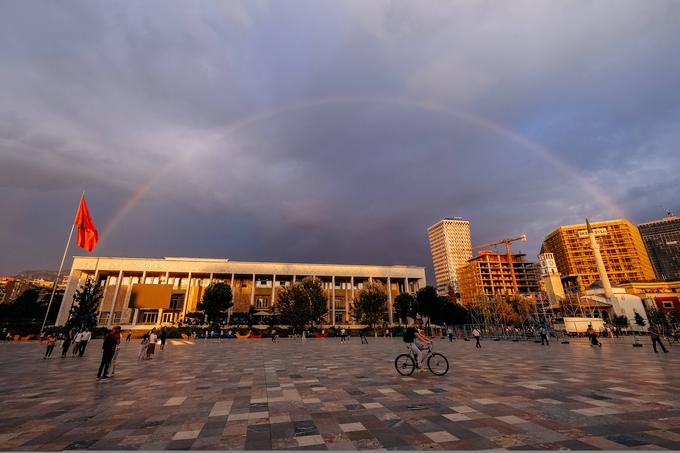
(255, 395)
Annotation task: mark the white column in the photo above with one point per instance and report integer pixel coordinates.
(333, 300)
(294, 278)
(406, 285)
(71, 285)
(389, 301)
(350, 304)
(186, 296)
(134, 317)
(252, 293)
(115, 296)
(210, 279)
(273, 291)
(233, 293)
(126, 299)
(159, 321)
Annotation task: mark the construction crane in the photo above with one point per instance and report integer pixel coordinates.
(507, 242)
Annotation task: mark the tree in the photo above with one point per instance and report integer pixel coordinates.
(656, 317)
(404, 306)
(216, 301)
(454, 313)
(83, 312)
(302, 303)
(427, 299)
(26, 307)
(620, 321)
(371, 304)
(639, 320)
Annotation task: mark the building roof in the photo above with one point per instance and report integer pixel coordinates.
(597, 284)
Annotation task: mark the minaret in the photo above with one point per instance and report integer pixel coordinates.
(600, 264)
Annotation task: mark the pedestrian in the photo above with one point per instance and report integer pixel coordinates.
(128, 336)
(85, 337)
(477, 334)
(51, 341)
(115, 356)
(449, 333)
(544, 336)
(111, 341)
(273, 335)
(151, 347)
(593, 336)
(164, 335)
(343, 333)
(655, 333)
(65, 343)
(617, 331)
(143, 346)
(76, 343)
(362, 335)
(304, 336)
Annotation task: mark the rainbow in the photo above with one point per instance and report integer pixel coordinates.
(539, 150)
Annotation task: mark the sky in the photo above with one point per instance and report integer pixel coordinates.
(330, 131)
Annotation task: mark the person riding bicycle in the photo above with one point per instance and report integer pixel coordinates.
(417, 341)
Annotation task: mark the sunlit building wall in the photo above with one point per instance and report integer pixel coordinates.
(451, 248)
(623, 252)
(140, 292)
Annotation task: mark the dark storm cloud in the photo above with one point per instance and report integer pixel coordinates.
(329, 131)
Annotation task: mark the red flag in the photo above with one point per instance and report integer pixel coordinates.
(87, 232)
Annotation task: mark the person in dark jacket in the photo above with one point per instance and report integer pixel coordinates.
(111, 340)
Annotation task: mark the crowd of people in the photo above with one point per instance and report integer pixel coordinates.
(75, 341)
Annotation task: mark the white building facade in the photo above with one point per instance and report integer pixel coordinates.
(451, 248)
(143, 292)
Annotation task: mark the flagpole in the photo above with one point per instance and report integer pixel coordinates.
(61, 266)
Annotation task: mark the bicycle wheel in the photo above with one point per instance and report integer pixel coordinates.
(438, 364)
(404, 364)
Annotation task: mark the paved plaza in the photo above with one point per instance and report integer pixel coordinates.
(252, 394)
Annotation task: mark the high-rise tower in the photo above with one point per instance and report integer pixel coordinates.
(451, 248)
(662, 240)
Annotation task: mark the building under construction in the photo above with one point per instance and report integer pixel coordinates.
(493, 274)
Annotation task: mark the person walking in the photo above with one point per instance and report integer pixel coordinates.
(51, 341)
(304, 336)
(449, 333)
(111, 341)
(477, 335)
(343, 333)
(143, 345)
(273, 335)
(362, 335)
(544, 336)
(617, 331)
(593, 336)
(128, 337)
(164, 335)
(85, 337)
(67, 342)
(115, 356)
(655, 333)
(151, 347)
(76, 343)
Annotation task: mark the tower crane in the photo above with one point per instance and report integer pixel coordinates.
(507, 242)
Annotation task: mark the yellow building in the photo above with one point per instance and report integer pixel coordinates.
(623, 252)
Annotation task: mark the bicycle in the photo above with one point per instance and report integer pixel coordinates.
(436, 362)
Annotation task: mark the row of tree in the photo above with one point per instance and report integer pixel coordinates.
(305, 303)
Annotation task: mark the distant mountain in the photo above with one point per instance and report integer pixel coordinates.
(44, 274)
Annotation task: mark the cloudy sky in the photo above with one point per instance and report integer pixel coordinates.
(330, 131)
